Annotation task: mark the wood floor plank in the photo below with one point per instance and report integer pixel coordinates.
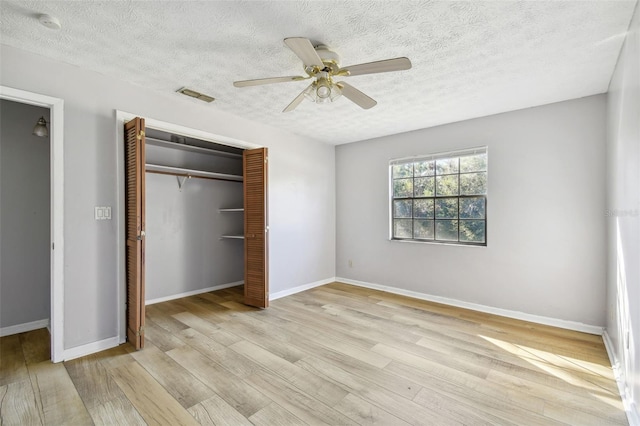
(476, 392)
(298, 403)
(304, 380)
(273, 339)
(151, 400)
(216, 411)
(160, 337)
(18, 405)
(116, 411)
(35, 345)
(403, 408)
(333, 340)
(182, 385)
(94, 385)
(59, 398)
(274, 415)
(365, 413)
(403, 386)
(241, 396)
(13, 367)
(237, 365)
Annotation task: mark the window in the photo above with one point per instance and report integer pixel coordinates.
(440, 197)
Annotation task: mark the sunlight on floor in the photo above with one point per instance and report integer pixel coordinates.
(547, 362)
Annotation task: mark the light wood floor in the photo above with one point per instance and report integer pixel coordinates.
(337, 355)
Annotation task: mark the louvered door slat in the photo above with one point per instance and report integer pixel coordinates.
(256, 277)
(135, 221)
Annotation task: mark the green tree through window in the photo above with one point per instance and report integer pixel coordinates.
(440, 197)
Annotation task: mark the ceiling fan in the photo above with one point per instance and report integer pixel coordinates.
(323, 66)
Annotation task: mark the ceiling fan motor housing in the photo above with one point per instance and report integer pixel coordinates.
(329, 58)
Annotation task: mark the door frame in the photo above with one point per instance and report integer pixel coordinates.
(56, 152)
(121, 118)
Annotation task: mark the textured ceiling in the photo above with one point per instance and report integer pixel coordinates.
(470, 59)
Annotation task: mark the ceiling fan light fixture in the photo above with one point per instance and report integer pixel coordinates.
(323, 91)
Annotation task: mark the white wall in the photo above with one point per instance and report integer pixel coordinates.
(24, 216)
(301, 185)
(183, 250)
(545, 253)
(623, 221)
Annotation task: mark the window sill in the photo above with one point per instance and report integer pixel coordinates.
(438, 243)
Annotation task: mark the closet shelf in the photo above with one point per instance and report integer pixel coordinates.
(183, 147)
(233, 237)
(231, 210)
(179, 171)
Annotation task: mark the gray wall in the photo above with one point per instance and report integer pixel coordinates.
(184, 251)
(24, 216)
(301, 186)
(623, 221)
(546, 227)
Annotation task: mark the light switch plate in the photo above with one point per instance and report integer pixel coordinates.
(103, 213)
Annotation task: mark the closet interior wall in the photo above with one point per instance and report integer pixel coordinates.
(185, 251)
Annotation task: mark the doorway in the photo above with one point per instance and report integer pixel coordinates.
(56, 208)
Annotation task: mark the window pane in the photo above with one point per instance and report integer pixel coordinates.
(446, 208)
(472, 231)
(446, 185)
(402, 228)
(472, 208)
(423, 229)
(424, 168)
(402, 170)
(473, 183)
(402, 208)
(402, 188)
(423, 208)
(423, 187)
(473, 163)
(447, 230)
(446, 166)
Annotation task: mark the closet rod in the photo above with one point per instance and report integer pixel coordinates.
(187, 175)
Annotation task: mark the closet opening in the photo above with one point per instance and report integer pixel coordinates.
(196, 219)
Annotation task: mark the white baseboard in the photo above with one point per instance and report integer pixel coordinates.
(90, 348)
(629, 406)
(193, 293)
(569, 325)
(22, 328)
(298, 289)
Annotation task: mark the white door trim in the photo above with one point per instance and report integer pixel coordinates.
(56, 141)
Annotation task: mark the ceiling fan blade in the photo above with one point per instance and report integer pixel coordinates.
(260, 81)
(397, 64)
(294, 103)
(303, 48)
(356, 96)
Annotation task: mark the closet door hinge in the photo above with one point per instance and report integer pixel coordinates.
(140, 331)
(140, 135)
(266, 159)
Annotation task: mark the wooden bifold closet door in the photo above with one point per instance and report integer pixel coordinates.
(135, 225)
(256, 277)
(256, 284)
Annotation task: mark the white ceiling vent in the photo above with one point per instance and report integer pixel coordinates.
(197, 95)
